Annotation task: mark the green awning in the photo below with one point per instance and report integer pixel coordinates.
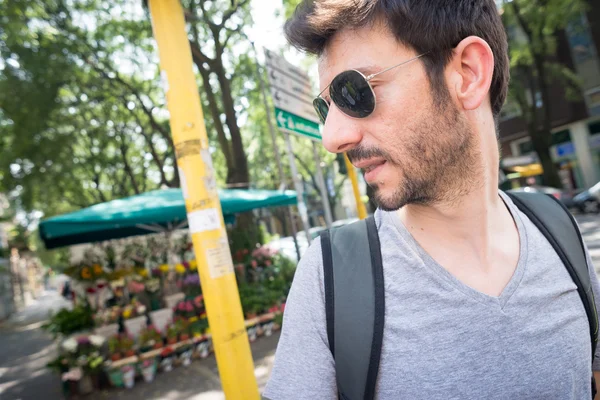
(146, 213)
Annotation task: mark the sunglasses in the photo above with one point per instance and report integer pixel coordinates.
(352, 93)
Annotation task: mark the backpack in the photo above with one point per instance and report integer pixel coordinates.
(354, 289)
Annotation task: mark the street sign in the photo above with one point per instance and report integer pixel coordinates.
(293, 94)
(301, 89)
(285, 101)
(277, 62)
(297, 125)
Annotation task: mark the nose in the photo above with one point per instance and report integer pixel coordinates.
(340, 132)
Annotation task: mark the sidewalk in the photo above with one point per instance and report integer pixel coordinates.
(25, 350)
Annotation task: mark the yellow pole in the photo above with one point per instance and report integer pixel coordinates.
(205, 218)
(360, 206)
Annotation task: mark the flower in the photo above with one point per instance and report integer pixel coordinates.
(70, 345)
(192, 280)
(193, 265)
(193, 319)
(97, 340)
(90, 290)
(83, 340)
(98, 269)
(254, 264)
(86, 273)
(74, 374)
(153, 285)
(198, 300)
(143, 273)
(101, 285)
(127, 313)
(268, 263)
(203, 315)
(136, 287)
(189, 307)
(164, 268)
(180, 269)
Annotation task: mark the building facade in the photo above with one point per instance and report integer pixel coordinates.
(575, 123)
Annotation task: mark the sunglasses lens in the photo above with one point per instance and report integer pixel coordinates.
(352, 94)
(321, 107)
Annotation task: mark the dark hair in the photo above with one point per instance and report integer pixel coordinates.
(433, 26)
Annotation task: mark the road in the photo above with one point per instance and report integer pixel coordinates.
(590, 229)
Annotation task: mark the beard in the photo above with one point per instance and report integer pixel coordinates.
(440, 164)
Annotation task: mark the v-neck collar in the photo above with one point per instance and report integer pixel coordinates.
(430, 262)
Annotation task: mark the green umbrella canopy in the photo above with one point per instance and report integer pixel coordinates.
(146, 213)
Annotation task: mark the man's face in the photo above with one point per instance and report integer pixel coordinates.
(413, 150)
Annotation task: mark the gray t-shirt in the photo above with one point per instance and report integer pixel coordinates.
(443, 339)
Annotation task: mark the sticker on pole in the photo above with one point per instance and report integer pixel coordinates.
(204, 220)
(183, 183)
(218, 257)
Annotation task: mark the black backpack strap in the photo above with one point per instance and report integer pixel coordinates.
(354, 306)
(558, 226)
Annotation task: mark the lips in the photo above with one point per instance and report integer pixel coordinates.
(368, 165)
(371, 167)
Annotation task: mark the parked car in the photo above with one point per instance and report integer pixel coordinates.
(564, 196)
(588, 201)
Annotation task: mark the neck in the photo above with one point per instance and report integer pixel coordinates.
(468, 221)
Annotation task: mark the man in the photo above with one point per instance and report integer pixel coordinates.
(478, 303)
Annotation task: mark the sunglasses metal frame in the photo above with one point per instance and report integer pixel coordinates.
(367, 79)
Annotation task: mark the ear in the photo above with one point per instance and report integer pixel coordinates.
(472, 67)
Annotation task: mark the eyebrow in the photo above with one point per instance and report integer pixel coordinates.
(369, 69)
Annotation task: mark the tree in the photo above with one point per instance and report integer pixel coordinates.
(213, 27)
(534, 67)
(81, 104)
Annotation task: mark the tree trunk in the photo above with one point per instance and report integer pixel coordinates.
(550, 176)
(542, 140)
(214, 111)
(240, 174)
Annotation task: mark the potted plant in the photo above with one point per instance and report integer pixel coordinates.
(126, 345)
(186, 355)
(128, 376)
(182, 325)
(166, 356)
(148, 368)
(172, 334)
(115, 376)
(150, 339)
(203, 348)
(93, 368)
(252, 333)
(198, 327)
(114, 348)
